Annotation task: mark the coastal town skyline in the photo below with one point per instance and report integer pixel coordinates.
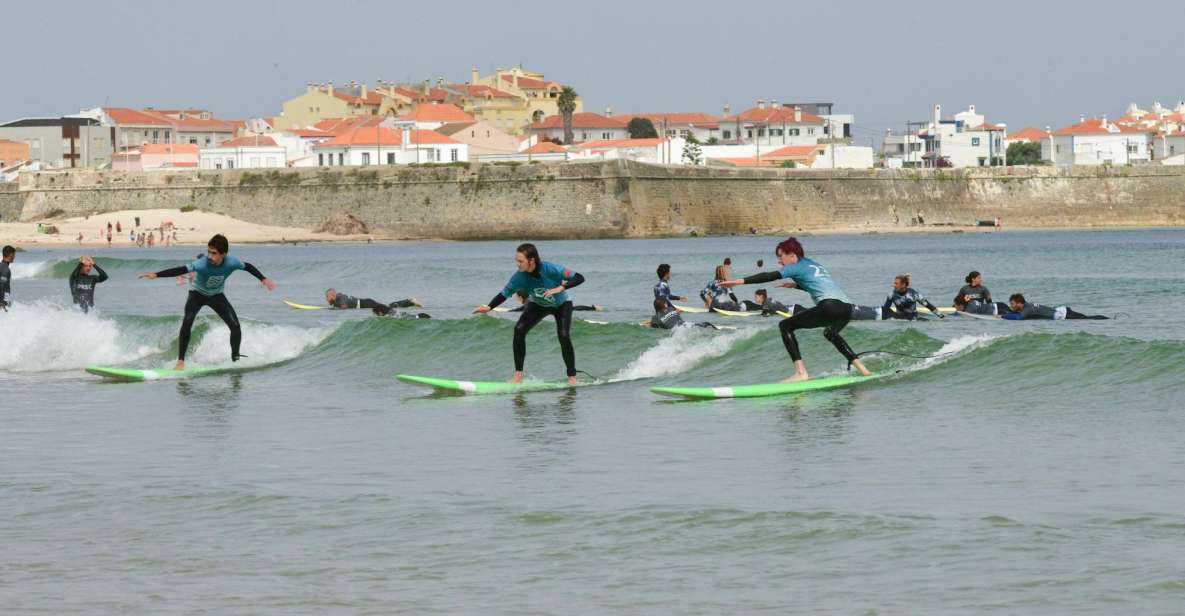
(649, 59)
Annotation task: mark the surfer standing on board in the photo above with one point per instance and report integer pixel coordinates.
(832, 309)
(211, 272)
(546, 285)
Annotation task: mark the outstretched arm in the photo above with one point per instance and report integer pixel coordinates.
(763, 277)
(264, 280)
(573, 281)
(166, 273)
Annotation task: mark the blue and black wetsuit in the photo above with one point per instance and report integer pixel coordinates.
(207, 290)
(1055, 313)
(5, 284)
(832, 309)
(535, 284)
(905, 305)
(721, 297)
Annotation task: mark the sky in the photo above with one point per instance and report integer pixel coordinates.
(1029, 63)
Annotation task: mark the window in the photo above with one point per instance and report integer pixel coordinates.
(776, 132)
(453, 155)
(826, 130)
(155, 136)
(390, 158)
(193, 141)
(321, 160)
(794, 132)
(365, 158)
(341, 158)
(975, 142)
(230, 163)
(1057, 148)
(727, 134)
(761, 132)
(606, 135)
(1132, 148)
(810, 131)
(217, 165)
(749, 133)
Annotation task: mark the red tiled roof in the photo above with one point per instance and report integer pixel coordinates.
(247, 142)
(608, 144)
(530, 83)
(746, 162)
(123, 115)
(1094, 126)
(584, 119)
(383, 136)
(698, 119)
(772, 115)
(169, 148)
(478, 91)
(308, 132)
(796, 151)
(184, 163)
(544, 147)
(334, 126)
(434, 112)
(1031, 134)
(371, 98)
(415, 94)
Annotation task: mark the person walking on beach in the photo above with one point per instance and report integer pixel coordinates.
(832, 309)
(207, 289)
(546, 285)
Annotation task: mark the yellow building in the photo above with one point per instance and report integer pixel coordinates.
(518, 98)
(324, 101)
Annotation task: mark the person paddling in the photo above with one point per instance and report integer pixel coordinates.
(207, 288)
(832, 309)
(546, 285)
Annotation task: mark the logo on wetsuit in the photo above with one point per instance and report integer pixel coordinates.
(215, 282)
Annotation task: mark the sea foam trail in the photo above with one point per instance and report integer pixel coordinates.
(24, 270)
(43, 336)
(263, 344)
(683, 350)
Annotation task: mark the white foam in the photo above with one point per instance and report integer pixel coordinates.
(43, 336)
(262, 343)
(24, 270)
(686, 347)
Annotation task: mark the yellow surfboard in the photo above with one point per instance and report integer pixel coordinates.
(296, 306)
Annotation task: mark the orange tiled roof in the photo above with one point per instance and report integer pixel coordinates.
(478, 91)
(695, 118)
(415, 94)
(247, 142)
(530, 83)
(1094, 126)
(746, 162)
(123, 115)
(335, 126)
(1029, 134)
(772, 115)
(796, 151)
(545, 147)
(371, 98)
(608, 144)
(308, 132)
(169, 148)
(384, 136)
(435, 112)
(584, 119)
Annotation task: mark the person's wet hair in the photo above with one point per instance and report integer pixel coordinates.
(530, 252)
(660, 304)
(1017, 297)
(790, 246)
(219, 243)
(663, 270)
(972, 276)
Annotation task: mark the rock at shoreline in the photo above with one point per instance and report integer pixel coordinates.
(343, 224)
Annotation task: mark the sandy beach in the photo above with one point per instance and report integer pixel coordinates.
(193, 228)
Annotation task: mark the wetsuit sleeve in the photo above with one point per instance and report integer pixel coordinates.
(497, 301)
(102, 274)
(888, 302)
(574, 281)
(74, 274)
(254, 271)
(763, 277)
(987, 296)
(180, 270)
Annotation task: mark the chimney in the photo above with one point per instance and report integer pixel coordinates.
(1081, 118)
(727, 109)
(761, 103)
(971, 109)
(608, 112)
(1104, 122)
(797, 114)
(404, 137)
(424, 87)
(473, 75)
(329, 91)
(937, 116)
(362, 91)
(308, 87)
(439, 82)
(1048, 131)
(516, 79)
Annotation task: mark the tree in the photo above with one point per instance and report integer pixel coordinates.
(566, 103)
(692, 153)
(1024, 153)
(641, 128)
(712, 140)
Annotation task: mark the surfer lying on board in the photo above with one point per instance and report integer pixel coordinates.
(663, 288)
(963, 304)
(1022, 310)
(388, 311)
(546, 285)
(666, 317)
(207, 288)
(832, 309)
(761, 301)
(521, 296)
(903, 302)
(341, 301)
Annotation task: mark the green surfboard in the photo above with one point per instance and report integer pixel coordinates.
(483, 387)
(132, 374)
(763, 390)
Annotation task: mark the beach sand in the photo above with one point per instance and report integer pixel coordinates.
(193, 228)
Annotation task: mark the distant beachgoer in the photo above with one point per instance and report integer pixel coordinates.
(108, 235)
(80, 238)
(118, 227)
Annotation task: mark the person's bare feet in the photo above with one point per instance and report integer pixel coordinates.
(572, 381)
(180, 365)
(415, 302)
(859, 365)
(516, 378)
(797, 378)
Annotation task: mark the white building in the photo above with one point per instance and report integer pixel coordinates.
(1168, 145)
(774, 125)
(259, 152)
(901, 150)
(657, 151)
(703, 126)
(385, 146)
(1097, 142)
(586, 126)
(965, 141)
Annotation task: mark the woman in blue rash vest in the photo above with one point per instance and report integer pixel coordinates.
(206, 289)
(832, 309)
(546, 285)
(903, 302)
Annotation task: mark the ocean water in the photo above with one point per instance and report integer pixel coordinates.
(1010, 468)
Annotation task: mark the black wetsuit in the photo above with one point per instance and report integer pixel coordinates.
(217, 302)
(5, 283)
(830, 313)
(1039, 311)
(82, 286)
(666, 320)
(769, 307)
(343, 302)
(574, 308)
(533, 313)
(987, 308)
(905, 305)
(721, 297)
(976, 294)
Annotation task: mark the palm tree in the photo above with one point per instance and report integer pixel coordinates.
(566, 103)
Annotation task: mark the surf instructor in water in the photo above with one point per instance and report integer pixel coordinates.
(206, 289)
(546, 286)
(832, 309)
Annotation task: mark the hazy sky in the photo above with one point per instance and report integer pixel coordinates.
(1023, 63)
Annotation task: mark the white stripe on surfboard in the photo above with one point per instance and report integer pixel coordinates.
(467, 386)
(722, 392)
